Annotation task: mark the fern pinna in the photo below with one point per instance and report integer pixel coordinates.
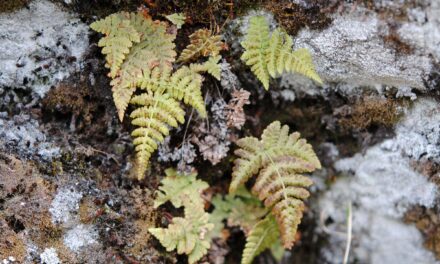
(278, 159)
(140, 55)
(270, 55)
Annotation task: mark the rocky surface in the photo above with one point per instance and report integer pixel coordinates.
(66, 195)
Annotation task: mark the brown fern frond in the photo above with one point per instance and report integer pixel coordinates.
(202, 43)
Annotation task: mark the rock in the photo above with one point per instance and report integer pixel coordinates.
(382, 185)
(40, 46)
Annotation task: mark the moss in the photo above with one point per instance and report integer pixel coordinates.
(11, 244)
(72, 99)
(294, 17)
(369, 112)
(428, 222)
(12, 5)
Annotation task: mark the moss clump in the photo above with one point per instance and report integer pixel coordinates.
(428, 222)
(369, 112)
(294, 17)
(12, 5)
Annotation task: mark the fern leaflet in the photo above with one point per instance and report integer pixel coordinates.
(202, 43)
(262, 236)
(178, 189)
(177, 19)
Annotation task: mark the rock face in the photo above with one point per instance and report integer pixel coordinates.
(81, 205)
(355, 51)
(382, 185)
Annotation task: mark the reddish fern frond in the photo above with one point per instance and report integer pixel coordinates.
(279, 159)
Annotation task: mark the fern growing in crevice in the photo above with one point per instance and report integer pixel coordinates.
(279, 159)
(190, 234)
(270, 54)
(140, 53)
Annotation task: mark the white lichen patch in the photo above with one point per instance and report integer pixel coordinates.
(423, 29)
(65, 206)
(382, 185)
(49, 256)
(40, 46)
(80, 236)
(23, 133)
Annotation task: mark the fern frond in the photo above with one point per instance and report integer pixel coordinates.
(262, 236)
(156, 112)
(150, 46)
(202, 43)
(177, 19)
(178, 189)
(256, 46)
(118, 39)
(278, 158)
(272, 55)
(188, 235)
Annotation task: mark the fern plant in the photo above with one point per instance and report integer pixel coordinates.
(190, 234)
(278, 159)
(140, 55)
(270, 54)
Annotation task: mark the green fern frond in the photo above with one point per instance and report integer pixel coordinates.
(272, 55)
(278, 158)
(178, 189)
(262, 236)
(156, 112)
(256, 45)
(151, 46)
(177, 19)
(202, 43)
(189, 235)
